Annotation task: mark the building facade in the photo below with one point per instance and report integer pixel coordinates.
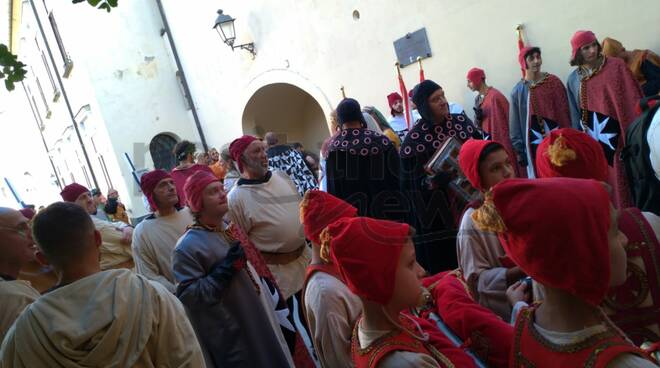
(144, 96)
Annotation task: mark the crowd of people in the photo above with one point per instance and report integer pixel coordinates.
(265, 255)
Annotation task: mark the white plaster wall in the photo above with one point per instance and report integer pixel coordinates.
(318, 46)
(133, 81)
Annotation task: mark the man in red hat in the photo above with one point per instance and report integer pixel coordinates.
(17, 248)
(603, 95)
(264, 205)
(538, 106)
(481, 257)
(184, 152)
(330, 308)
(574, 154)
(228, 304)
(116, 247)
(155, 237)
(398, 119)
(383, 336)
(572, 220)
(491, 109)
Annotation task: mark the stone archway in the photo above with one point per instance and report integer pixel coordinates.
(288, 111)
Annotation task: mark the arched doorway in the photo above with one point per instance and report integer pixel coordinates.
(161, 147)
(288, 111)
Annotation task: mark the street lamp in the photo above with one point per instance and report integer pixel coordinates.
(224, 25)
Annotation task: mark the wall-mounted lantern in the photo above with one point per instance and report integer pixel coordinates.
(224, 25)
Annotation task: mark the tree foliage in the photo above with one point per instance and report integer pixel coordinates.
(106, 5)
(13, 71)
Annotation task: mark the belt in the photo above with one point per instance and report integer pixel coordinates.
(282, 258)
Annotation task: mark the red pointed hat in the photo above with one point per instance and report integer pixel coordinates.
(72, 191)
(556, 230)
(476, 76)
(393, 97)
(570, 153)
(319, 209)
(238, 146)
(468, 160)
(148, 183)
(522, 53)
(367, 253)
(194, 188)
(579, 39)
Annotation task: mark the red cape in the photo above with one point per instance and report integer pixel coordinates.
(495, 108)
(614, 92)
(551, 101)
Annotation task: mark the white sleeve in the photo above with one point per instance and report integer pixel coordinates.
(145, 261)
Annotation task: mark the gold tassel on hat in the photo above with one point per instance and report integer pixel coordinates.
(559, 154)
(325, 245)
(302, 206)
(487, 218)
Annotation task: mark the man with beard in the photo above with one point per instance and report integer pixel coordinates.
(264, 205)
(398, 120)
(433, 211)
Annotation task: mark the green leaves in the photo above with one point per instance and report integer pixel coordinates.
(12, 71)
(106, 5)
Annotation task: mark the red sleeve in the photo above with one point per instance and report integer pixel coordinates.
(481, 330)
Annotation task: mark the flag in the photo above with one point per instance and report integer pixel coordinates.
(404, 95)
(521, 43)
(421, 70)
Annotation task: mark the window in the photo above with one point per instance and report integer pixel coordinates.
(108, 181)
(56, 91)
(43, 98)
(68, 64)
(161, 147)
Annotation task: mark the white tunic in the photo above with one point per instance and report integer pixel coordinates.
(268, 213)
(331, 310)
(154, 240)
(14, 297)
(112, 318)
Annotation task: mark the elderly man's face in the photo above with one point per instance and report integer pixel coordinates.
(86, 202)
(255, 159)
(16, 244)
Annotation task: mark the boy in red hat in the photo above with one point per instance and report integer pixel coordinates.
(572, 221)
(570, 153)
(538, 106)
(480, 254)
(330, 308)
(383, 336)
(602, 95)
